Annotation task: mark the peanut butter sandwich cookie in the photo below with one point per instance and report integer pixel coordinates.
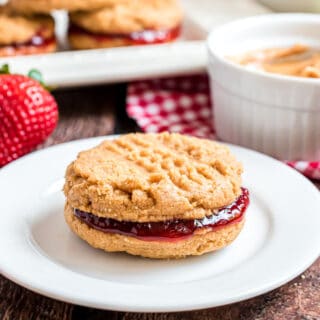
(134, 23)
(156, 195)
(23, 35)
(46, 6)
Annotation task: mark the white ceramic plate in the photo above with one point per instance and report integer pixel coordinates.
(186, 56)
(280, 240)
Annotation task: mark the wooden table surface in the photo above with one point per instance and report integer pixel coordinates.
(100, 111)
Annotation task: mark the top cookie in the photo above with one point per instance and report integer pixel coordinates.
(136, 15)
(153, 177)
(20, 29)
(46, 6)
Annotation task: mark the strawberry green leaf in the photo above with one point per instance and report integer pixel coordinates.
(36, 75)
(5, 69)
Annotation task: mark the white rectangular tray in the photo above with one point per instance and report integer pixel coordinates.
(188, 55)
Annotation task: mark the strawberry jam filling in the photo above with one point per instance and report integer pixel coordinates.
(36, 43)
(135, 38)
(169, 230)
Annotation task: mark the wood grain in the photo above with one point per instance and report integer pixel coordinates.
(98, 111)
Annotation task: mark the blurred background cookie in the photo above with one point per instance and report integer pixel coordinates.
(23, 35)
(46, 6)
(122, 24)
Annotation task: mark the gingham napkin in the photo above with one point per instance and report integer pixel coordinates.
(183, 104)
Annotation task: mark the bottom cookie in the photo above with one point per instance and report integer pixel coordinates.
(48, 46)
(201, 242)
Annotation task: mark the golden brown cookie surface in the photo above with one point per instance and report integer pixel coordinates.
(85, 41)
(201, 242)
(46, 6)
(15, 28)
(135, 15)
(153, 177)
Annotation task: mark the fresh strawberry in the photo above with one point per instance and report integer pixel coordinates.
(28, 114)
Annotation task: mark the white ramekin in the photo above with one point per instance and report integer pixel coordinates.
(275, 114)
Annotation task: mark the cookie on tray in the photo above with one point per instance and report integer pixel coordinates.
(23, 35)
(46, 6)
(122, 24)
(156, 195)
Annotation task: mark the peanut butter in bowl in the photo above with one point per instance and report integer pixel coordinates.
(298, 60)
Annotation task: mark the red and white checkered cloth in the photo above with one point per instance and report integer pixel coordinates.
(183, 105)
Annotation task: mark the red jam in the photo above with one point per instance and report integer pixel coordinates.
(169, 230)
(134, 38)
(34, 45)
